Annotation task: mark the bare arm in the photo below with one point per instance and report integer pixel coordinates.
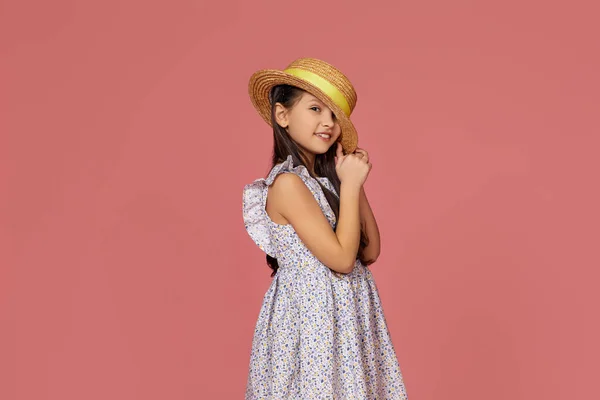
(369, 224)
(291, 199)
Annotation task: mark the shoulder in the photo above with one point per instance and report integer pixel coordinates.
(289, 187)
(288, 181)
(286, 184)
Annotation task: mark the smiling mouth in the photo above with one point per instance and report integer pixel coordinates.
(325, 136)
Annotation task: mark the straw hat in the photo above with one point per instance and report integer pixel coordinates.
(320, 79)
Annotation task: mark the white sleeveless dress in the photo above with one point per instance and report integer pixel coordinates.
(320, 334)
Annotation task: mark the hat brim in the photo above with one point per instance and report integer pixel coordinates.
(259, 88)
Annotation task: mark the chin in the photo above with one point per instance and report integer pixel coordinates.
(321, 150)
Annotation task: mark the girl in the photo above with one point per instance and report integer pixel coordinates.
(321, 332)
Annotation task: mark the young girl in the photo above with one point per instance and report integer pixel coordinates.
(321, 332)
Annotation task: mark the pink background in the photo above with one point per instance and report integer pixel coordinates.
(127, 136)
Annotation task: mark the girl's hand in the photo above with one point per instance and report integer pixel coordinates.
(352, 168)
(363, 154)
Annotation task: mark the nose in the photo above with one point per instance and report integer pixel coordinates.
(328, 119)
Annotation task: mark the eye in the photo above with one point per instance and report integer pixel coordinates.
(315, 108)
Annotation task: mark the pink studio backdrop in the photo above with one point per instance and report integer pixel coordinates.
(127, 136)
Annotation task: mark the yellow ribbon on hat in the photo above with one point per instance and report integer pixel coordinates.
(325, 86)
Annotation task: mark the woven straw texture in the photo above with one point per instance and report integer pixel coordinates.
(261, 83)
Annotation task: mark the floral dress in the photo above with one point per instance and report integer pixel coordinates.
(320, 334)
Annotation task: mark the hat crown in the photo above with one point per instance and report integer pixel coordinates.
(329, 73)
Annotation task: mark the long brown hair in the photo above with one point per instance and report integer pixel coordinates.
(283, 146)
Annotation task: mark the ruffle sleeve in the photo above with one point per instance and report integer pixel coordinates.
(256, 220)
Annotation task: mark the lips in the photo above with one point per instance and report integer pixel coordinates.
(323, 135)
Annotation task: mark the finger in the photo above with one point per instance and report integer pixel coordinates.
(363, 154)
(361, 158)
(339, 153)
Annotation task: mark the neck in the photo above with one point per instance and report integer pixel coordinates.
(310, 161)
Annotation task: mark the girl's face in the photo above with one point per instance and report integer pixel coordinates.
(310, 123)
